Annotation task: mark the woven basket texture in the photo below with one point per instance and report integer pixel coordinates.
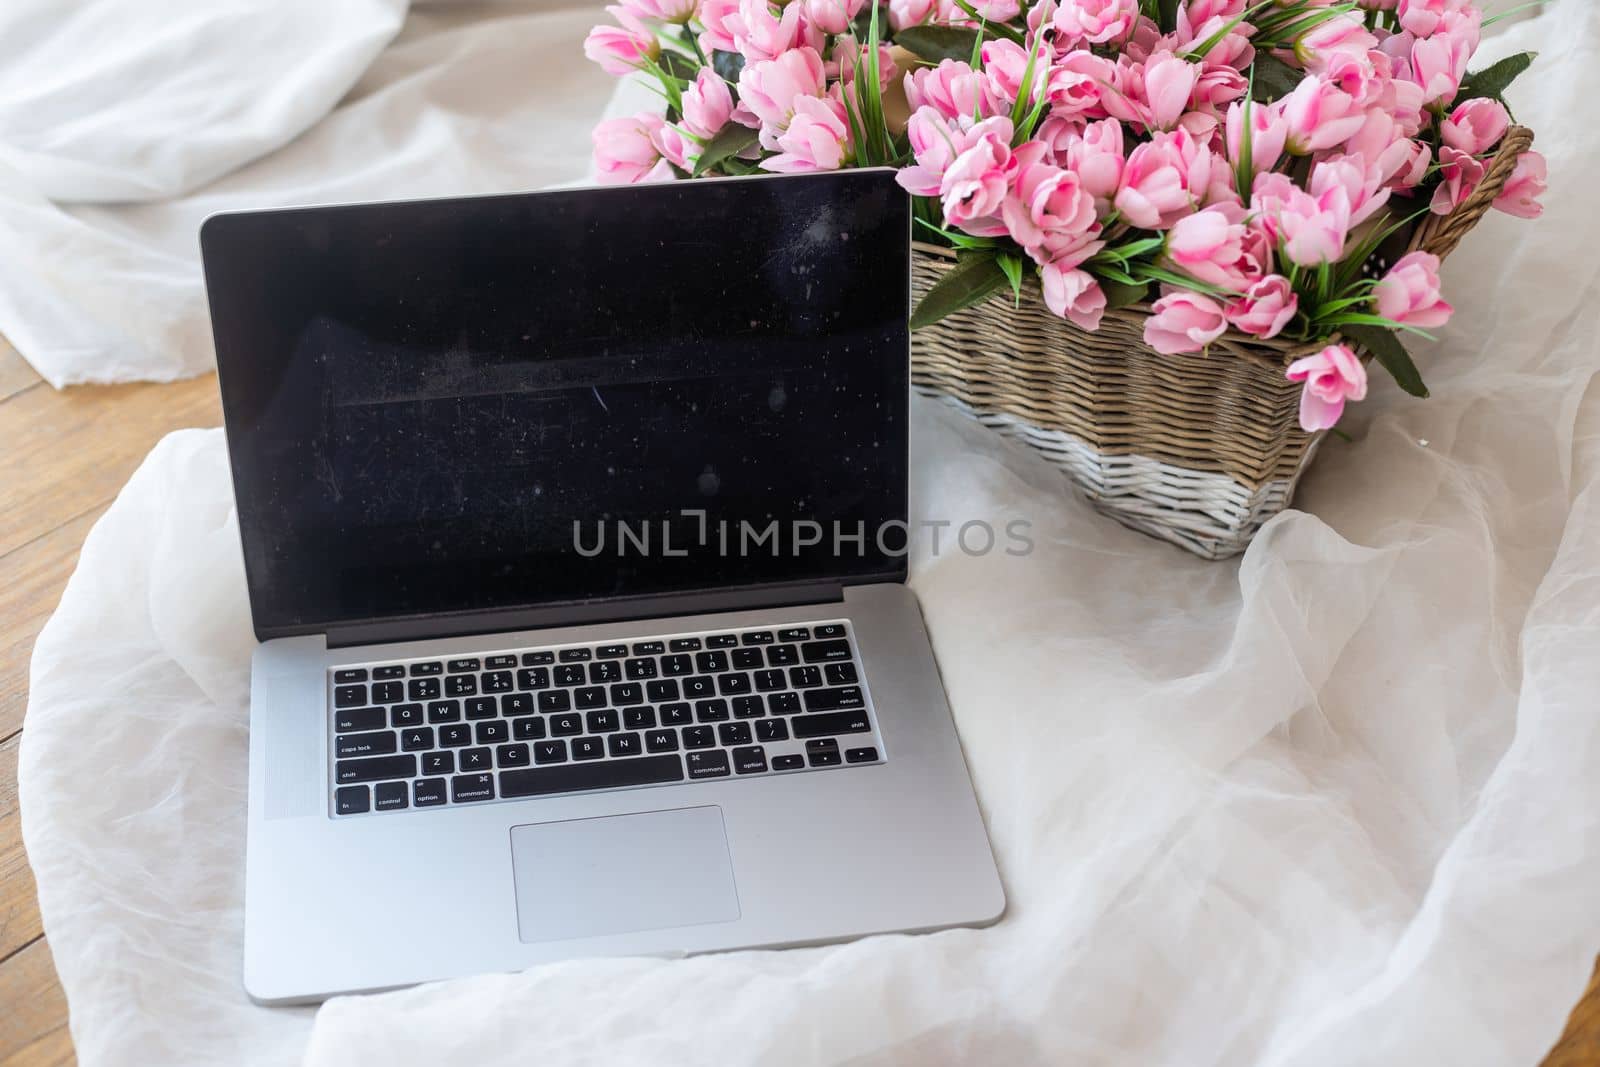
(1198, 449)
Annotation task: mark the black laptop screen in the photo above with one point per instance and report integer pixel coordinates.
(498, 402)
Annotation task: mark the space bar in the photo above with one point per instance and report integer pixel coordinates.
(610, 774)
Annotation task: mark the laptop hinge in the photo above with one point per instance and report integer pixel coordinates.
(581, 613)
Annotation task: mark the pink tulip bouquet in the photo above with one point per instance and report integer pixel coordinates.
(1233, 165)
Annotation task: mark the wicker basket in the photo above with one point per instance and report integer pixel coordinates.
(1199, 450)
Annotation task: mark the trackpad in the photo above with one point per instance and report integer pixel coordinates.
(612, 875)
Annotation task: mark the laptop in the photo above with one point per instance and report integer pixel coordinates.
(575, 531)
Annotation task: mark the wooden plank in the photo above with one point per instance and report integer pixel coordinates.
(19, 908)
(70, 451)
(33, 1026)
(15, 373)
(31, 580)
(1580, 1043)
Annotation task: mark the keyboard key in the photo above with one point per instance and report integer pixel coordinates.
(511, 756)
(374, 770)
(428, 793)
(675, 715)
(566, 724)
(499, 663)
(698, 737)
(444, 711)
(538, 659)
(752, 760)
(391, 796)
(747, 707)
(349, 696)
(623, 745)
(590, 696)
(352, 800)
(529, 729)
(416, 739)
(575, 655)
(683, 644)
(611, 651)
(698, 686)
(710, 710)
(788, 763)
(756, 637)
(823, 744)
(794, 633)
(482, 708)
(861, 755)
(423, 689)
(492, 732)
(475, 759)
(733, 733)
(722, 641)
(497, 682)
(662, 690)
(661, 740)
(783, 655)
(640, 718)
(455, 736)
(837, 722)
(823, 759)
(350, 674)
(674, 666)
(783, 703)
(533, 678)
(393, 670)
(770, 730)
(833, 699)
(457, 666)
(733, 683)
(710, 764)
(550, 752)
(431, 667)
(610, 774)
(625, 693)
(555, 700)
(461, 685)
(439, 763)
(605, 671)
(516, 704)
(467, 788)
(601, 722)
(571, 674)
(748, 659)
(768, 680)
(358, 719)
(387, 692)
(640, 669)
(711, 662)
(804, 677)
(380, 743)
(831, 629)
(403, 715)
(841, 674)
(818, 651)
(588, 748)
(648, 648)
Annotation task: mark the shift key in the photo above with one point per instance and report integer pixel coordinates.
(375, 770)
(829, 723)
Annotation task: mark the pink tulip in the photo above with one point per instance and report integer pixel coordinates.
(1045, 201)
(1163, 180)
(1209, 246)
(903, 13)
(1354, 74)
(1073, 294)
(1095, 21)
(1268, 134)
(769, 88)
(1076, 83)
(1196, 26)
(676, 12)
(1153, 94)
(1194, 12)
(1475, 126)
(1422, 17)
(1439, 62)
(817, 138)
(1095, 155)
(1413, 166)
(832, 16)
(1345, 34)
(1265, 309)
(759, 35)
(1004, 64)
(1520, 195)
(707, 104)
(1363, 186)
(717, 35)
(1183, 321)
(1332, 377)
(1216, 89)
(953, 89)
(1461, 174)
(1312, 229)
(625, 150)
(975, 184)
(621, 50)
(1409, 293)
(935, 144)
(991, 11)
(848, 54)
(1319, 116)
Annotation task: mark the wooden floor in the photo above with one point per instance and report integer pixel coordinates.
(66, 454)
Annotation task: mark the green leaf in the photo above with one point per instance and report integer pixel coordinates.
(1387, 350)
(1494, 80)
(1120, 295)
(729, 141)
(1272, 78)
(728, 65)
(1012, 266)
(935, 43)
(679, 65)
(972, 280)
(995, 29)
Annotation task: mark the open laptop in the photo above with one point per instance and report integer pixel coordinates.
(574, 526)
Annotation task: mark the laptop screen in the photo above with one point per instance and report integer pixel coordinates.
(499, 402)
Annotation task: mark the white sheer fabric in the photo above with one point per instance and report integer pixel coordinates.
(1333, 803)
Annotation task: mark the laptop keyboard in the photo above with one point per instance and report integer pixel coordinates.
(507, 725)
